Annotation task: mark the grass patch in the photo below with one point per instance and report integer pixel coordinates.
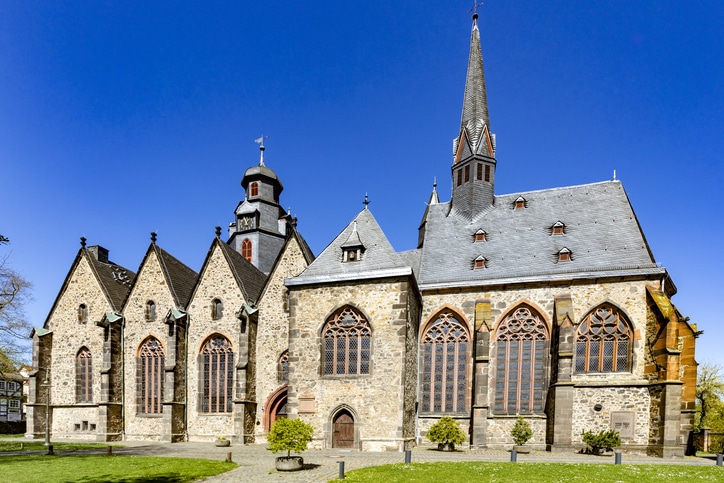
(95, 468)
(538, 472)
(37, 445)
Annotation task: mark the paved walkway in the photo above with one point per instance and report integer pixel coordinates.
(256, 464)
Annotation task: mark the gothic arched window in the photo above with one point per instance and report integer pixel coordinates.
(218, 375)
(444, 365)
(151, 359)
(603, 342)
(520, 372)
(246, 249)
(347, 343)
(283, 368)
(83, 376)
(150, 311)
(217, 309)
(82, 313)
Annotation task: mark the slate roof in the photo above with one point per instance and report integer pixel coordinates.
(379, 259)
(180, 278)
(115, 280)
(250, 279)
(601, 231)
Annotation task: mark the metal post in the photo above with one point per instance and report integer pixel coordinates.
(341, 469)
(617, 455)
(408, 456)
(513, 456)
(719, 459)
(46, 384)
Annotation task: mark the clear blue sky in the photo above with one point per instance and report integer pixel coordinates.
(120, 118)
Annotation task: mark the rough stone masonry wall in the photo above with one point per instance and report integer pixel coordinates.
(627, 399)
(627, 295)
(216, 282)
(375, 399)
(150, 284)
(69, 335)
(273, 329)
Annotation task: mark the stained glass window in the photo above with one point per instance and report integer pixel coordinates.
(521, 343)
(445, 346)
(347, 340)
(83, 376)
(218, 374)
(603, 342)
(151, 357)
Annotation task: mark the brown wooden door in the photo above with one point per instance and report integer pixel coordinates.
(343, 436)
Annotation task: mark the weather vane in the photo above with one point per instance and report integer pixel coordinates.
(260, 140)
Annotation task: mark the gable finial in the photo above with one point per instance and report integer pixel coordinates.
(260, 142)
(367, 201)
(82, 241)
(153, 237)
(434, 183)
(614, 175)
(218, 231)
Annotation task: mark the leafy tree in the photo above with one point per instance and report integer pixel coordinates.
(14, 294)
(289, 435)
(709, 391)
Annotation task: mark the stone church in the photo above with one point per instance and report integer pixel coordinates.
(545, 304)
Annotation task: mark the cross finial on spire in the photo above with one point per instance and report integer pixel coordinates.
(153, 237)
(434, 183)
(82, 241)
(366, 202)
(218, 231)
(475, 8)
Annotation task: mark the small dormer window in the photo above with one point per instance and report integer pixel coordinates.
(479, 262)
(558, 228)
(564, 255)
(480, 235)
(150, 311)
(254, 189)
(520, 203)
(352, 254)
(82, 313)
(217, 309)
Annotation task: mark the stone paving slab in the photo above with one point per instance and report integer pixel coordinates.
(256, 464)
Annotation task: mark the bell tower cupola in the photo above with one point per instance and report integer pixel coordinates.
(473, 169)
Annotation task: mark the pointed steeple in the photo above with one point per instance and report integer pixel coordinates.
(474, 148)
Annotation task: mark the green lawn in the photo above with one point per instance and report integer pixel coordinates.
(90, 469)
(537, 472)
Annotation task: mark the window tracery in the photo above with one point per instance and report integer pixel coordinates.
(603, 342)
(347, 339)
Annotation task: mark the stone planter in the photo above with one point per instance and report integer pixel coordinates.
(445, 446)
(292, 463)
(522, 448)
(222, 442)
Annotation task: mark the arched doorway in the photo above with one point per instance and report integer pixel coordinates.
(276, 407)
(343, 430)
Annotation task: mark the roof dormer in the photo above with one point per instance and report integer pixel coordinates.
(520, 203)
(558, 228)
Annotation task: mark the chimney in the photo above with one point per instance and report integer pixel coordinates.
(100, 253)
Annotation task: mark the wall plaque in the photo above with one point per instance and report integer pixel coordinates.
(623, 422)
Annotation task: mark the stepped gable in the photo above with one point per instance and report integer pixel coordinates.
(377, 257)
(600, 231)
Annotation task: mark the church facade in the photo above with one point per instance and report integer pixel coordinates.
(544, 304)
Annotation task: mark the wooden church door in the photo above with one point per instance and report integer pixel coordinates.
(343, 435)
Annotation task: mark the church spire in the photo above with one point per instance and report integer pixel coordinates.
(474, 148)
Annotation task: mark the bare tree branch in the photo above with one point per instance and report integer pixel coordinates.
(14, 326)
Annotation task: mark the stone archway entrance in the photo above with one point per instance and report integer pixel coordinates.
(343, 430)
(276, 407)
